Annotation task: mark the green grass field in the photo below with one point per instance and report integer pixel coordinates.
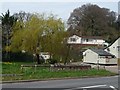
(45, 73)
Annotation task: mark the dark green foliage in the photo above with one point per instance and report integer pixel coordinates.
(75, 55)
(7, 23)
(118, 24)
(92, 20)
(52, 61)
(18, 57)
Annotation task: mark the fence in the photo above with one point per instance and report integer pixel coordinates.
(60, 67)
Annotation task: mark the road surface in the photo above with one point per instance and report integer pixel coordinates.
(109, 83)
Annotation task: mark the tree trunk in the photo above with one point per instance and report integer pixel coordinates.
(68, 50)
(38, 59)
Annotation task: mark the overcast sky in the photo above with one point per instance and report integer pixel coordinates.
(61, 9)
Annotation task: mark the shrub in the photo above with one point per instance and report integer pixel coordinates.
(52, 61)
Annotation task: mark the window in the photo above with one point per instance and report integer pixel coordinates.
(101, 56)
(118, 47)
(108, 57)
(86, 40)
(113, 56)
(73, 39)
(108, 49)
(84, 54)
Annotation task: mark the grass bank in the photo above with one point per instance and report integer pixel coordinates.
(45, 73)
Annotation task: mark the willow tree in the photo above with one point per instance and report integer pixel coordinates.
(54, 35)
(39, 33)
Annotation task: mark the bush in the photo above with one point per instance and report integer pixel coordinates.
(52, 61)
(17, 57)
(42, 61)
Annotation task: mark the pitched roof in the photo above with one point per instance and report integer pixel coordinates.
(87, 37)
(93, 37)
(101, 52)
(118, 39)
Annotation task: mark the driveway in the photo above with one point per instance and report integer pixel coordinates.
(113, 69)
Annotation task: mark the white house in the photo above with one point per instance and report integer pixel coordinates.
(98, 56)
(86, 40)
(114, 48)
(45, 55)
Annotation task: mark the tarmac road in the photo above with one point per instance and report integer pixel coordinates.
(100, 83)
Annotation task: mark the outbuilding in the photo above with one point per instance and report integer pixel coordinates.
(99, 56)
(114, 48)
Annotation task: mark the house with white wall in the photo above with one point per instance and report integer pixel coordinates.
(45, 55)
(86, 40)
(114, 48)
(99, 56)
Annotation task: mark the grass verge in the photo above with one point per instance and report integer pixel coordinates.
(45, 73)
